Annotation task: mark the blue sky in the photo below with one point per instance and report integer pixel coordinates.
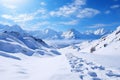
(61, 14)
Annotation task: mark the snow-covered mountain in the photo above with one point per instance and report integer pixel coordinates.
(106, 45)
(99, 31)
(87, 35)
(74, 63)
(46, 34)
(70, 34)
(14, 40)
(14, 28)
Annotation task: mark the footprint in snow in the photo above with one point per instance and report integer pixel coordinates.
(90, 69)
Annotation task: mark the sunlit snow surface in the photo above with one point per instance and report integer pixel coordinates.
(35, 68)
(74, 61)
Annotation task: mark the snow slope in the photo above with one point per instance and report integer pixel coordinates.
(22, 58)
(15, 40)
(107, 45)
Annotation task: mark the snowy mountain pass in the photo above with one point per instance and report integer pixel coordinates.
(36, 68)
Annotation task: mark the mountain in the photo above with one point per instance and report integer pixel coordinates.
(99, 32)
(46, 34)
(107, 45)
(50, 34)
(87, 35)
(15, 40)
(71, 34)
(14, 28)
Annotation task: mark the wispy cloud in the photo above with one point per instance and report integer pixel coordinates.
(115, 6)
(97, 26)
(72, 22)
(43, 4)
(107, 12)
(75, 9)
(87, 12)
(38, 14)
(69, 9)
(9, 6)
(19, 18)
(103, 25)
(5, 23)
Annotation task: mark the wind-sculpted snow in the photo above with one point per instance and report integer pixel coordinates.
(9, 56)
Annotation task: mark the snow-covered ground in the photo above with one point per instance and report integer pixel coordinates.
(23, 57)
(36, 68)
(71, 65)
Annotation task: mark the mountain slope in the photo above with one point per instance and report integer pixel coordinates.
(12, 41)
(107, 45)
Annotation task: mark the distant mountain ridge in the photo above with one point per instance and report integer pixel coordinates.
(70, 34)
(51, 34)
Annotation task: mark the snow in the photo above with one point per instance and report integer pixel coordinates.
(35, 68)
(24, 57)
(99, 31)
(70, 34)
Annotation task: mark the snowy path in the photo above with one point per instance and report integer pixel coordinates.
(90, 71)
(67, 66)
(35, 68)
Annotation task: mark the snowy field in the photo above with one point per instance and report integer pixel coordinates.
(23, 57)
(71, 65)
(62, 43)
(36, 68)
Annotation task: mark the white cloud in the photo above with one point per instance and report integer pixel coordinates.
(42, 3)
(115, 6)
(98, 25)
(5, 23)
(75, 9)
(38, 14)
(40, 24)
(18, 18)
(41, 11)
(87, 12)
(104, 25)
(69, 9)
(107, 12)
(73, 22)
(10, 6)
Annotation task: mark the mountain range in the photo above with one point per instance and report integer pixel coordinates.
(51, 34)
(13, 40)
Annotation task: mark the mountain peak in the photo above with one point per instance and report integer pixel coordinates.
(100, 31)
